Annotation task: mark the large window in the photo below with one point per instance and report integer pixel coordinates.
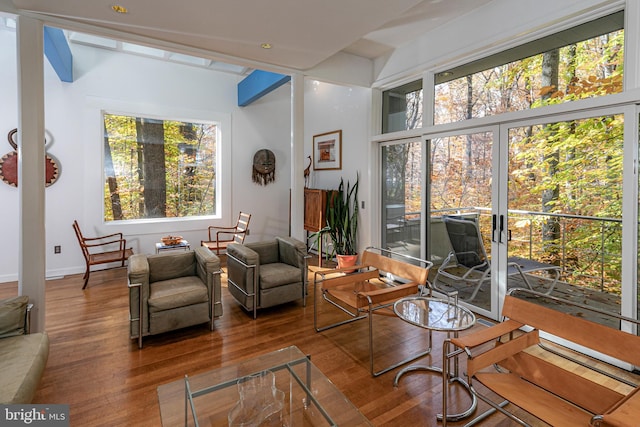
(156, 168)
(582, 62)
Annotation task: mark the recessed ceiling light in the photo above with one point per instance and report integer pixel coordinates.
(119, 9)
(266, 45)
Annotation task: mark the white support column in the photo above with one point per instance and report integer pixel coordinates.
(629, 305)
(629, 301)
(428, 98)
(31, 169)
(631, 45)
(297, 157)
(373, 177)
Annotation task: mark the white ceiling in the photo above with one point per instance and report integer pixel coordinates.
(303, 33)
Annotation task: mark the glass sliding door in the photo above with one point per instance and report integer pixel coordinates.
(402, 197)
(546, 198)
(564, 209)
(461, 177)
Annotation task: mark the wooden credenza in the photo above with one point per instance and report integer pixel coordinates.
(315, 204)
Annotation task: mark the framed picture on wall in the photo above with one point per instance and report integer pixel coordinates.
(327, 150)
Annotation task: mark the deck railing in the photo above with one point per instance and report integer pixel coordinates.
(595, 260)
(588, 249)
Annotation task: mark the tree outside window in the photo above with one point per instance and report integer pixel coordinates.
(588, 68)
(157, 168)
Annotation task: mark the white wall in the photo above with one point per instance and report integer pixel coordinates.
(266, 123)
(330, 107)
(8, 121)
(106, 79)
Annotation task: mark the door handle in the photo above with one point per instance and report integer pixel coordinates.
(501, 228)
(493, 230)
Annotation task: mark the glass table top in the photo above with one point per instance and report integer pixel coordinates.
(434, 313)
(311, 399)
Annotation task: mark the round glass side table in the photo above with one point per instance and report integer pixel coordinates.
(443, 315)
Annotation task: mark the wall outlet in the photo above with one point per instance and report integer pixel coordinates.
(57, 249)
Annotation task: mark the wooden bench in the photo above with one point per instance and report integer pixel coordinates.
(509, 360)
(371, 287)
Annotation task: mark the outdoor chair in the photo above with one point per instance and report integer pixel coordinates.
(396, 224)
(382, 278)
(101, 250)
(220, 237)
(468, 262)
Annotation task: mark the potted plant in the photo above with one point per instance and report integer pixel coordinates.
(342, 223)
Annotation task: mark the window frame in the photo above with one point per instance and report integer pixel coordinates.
(404, 89)
(591, 28)
(578, 32)
(94, 205)
(216, 166)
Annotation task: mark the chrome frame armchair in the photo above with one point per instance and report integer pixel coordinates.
(175, 291)
(268, 273)
(372, 288)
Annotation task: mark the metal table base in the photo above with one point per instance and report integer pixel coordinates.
(436, 314)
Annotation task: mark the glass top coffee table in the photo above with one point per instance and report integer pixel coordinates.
(310, 397)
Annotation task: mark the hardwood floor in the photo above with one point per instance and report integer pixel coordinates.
(95, 368)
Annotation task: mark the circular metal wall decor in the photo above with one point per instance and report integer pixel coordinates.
(9, 165)
(264, 167)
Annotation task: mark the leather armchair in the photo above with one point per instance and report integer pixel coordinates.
(173, 290)
(268, 273)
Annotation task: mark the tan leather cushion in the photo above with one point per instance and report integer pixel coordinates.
(174, 293)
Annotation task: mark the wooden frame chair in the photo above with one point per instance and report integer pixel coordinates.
(220, 237)
(100, 250)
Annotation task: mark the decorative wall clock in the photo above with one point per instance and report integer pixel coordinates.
(9, 164)
(264, 167)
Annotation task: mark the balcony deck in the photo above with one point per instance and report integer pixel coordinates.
(601, 300)
(410, 244)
